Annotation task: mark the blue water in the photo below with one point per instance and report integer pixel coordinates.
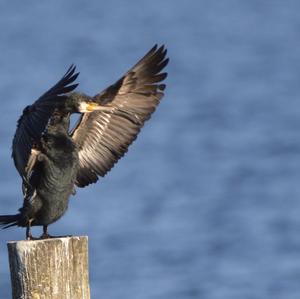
(206, 204)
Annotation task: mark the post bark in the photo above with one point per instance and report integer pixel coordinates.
(49, 269)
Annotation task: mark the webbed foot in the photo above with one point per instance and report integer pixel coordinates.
(45, 234)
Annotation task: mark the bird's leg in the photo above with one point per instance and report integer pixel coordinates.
(28, 231)
(45, 234)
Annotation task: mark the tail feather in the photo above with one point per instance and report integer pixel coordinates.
(9, 220)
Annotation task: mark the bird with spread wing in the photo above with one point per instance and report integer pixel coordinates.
(52, 159)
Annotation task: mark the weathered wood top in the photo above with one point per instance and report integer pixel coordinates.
(55, 268)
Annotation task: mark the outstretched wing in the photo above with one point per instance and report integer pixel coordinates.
(34, 119)
(103, 136)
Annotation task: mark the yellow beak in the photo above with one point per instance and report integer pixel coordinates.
(92, 106)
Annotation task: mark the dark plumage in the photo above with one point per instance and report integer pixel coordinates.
(53, 160)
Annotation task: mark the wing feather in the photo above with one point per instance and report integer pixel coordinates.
(103, 137)
(35, 118)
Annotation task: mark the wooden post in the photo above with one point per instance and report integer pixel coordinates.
(50, 269)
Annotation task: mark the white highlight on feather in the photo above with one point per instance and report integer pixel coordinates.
(83, 107)
(32, 198)
(34, 152)
(31, 160)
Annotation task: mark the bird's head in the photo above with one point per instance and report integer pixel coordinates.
(88, 106)
(80, 103)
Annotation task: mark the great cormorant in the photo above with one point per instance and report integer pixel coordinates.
(52, 160)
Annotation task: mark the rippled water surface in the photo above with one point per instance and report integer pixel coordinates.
(206, 203)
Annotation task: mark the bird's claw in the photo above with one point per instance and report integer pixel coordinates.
(47, 236)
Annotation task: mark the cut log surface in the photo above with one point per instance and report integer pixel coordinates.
(50, 269)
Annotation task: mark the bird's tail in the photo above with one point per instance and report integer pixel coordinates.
(9, 220)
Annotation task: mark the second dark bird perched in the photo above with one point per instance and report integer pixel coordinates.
(52, 160)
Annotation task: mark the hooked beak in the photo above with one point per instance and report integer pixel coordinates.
(92, 106)
(88, 107)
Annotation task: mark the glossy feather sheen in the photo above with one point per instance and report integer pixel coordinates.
(56, 185)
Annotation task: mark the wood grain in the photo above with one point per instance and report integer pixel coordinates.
(50, 269)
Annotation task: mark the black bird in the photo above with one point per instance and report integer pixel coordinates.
(52, 159)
